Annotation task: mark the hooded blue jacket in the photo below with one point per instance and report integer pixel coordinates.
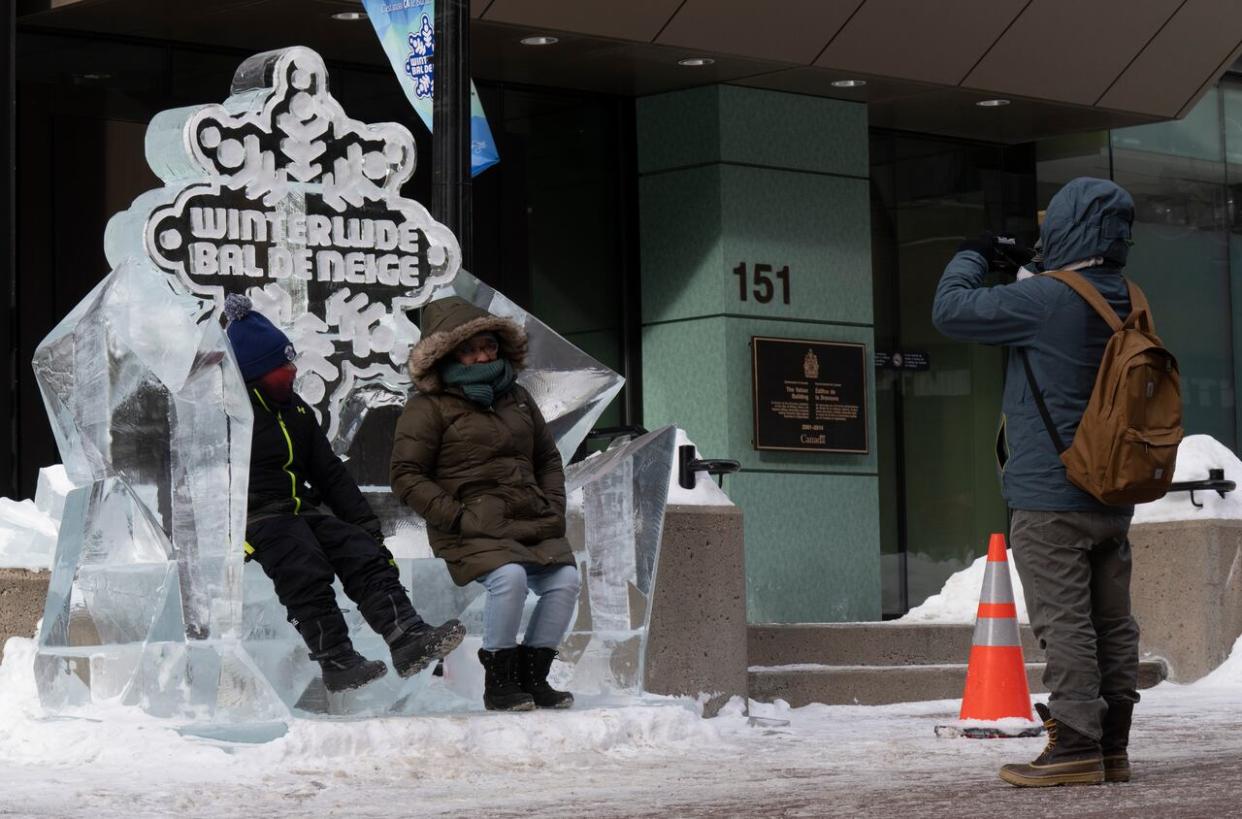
(1062, 335)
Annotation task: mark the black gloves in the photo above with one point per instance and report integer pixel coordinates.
(1002, 253)
(1012, 253)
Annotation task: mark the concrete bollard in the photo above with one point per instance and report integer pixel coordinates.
(697, 642)
(1186, 592)
(22, 597)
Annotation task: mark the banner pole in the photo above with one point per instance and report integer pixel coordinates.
(450, 138)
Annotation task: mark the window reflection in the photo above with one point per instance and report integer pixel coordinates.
(1184, 256)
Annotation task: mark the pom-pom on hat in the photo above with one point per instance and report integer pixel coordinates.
(259, 345)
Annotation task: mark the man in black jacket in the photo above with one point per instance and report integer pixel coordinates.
(301, 546)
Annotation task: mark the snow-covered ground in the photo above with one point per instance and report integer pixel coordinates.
(652, 757)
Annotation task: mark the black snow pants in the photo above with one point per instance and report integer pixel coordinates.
(302, 554)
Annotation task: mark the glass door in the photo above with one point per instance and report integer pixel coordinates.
(939, 483)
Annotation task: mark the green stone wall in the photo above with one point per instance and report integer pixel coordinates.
(731, 175)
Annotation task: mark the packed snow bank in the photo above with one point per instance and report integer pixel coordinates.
(1195, 456)
(958, 600)
(27, 536)
(28, 529)
(462, 742)
(1227, 674)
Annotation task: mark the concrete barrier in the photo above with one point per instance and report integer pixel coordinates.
(22, 595)
(698, 637)
(1186, 592)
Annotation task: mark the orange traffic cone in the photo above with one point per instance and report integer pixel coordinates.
(996, 677)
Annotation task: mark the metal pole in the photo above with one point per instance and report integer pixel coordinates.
(8, 257)
(450, 139)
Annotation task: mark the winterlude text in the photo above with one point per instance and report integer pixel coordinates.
(335, 249)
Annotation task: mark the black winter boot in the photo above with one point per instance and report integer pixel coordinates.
(1070, 758)
(345, 669)
(502, 691)
(533, 665)
(1115, 740)
(414, 650)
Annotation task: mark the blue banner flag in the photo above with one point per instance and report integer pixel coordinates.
(406, 29)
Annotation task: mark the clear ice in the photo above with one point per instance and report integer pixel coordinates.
(153, 422)
(615, 523)
(277, 193)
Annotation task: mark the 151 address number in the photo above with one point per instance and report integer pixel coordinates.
(762, 283)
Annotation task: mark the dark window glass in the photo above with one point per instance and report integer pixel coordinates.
(939, 490)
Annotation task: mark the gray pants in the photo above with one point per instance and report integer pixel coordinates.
(1075, 571)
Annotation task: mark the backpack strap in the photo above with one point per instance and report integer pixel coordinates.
(1093, 297)
(1140, 311)
(1039, 402)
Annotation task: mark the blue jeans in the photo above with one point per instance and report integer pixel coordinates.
(557, 589)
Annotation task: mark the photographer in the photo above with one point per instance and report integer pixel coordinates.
(1071, 551)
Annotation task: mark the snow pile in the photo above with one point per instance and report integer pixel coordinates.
(1227, 674)
(27, 536)
(1196, 455)
(28, 529)
(705, 491)
(469, 742)
(958, 600)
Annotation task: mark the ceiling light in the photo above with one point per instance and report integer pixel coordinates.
(542, 39)
(997, 103)
(848, 83)
(696, 61)
(350, 15)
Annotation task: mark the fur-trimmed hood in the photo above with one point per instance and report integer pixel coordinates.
(448, 322)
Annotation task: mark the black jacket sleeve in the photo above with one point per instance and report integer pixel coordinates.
(328, 476)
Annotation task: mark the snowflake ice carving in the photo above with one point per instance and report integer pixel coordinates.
(418, 65)
(279, 194)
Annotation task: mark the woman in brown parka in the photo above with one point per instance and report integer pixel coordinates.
(474, 458)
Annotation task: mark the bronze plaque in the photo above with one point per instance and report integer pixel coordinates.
(810, 396)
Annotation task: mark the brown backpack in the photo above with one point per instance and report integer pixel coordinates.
(1125, 448)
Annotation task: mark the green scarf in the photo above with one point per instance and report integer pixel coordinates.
(482, 383)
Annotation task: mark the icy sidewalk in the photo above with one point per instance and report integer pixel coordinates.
(652, 757)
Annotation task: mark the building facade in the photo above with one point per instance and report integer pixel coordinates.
(677, 179)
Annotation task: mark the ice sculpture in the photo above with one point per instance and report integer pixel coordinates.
(615, 522)
(281, 655)
(279, 194)
(153, 422)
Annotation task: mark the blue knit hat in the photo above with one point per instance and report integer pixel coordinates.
(259, 345)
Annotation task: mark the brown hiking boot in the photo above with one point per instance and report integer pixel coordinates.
(1069, 758)
(1115, 740)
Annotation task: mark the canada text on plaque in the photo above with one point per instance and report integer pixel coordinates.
(810, 396)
